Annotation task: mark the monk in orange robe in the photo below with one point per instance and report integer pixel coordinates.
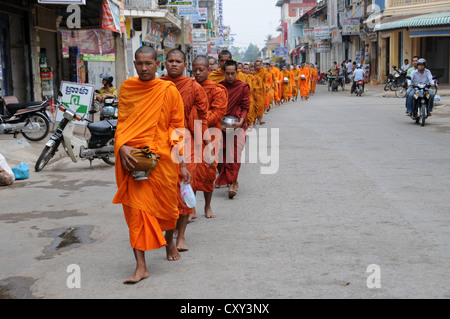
(218, 100)
(238, 106)
(253, 85)
(149, 111)
(195, 111)
(287, 87)
(315, 75)
(219, 76)
(260, 91)
(293, 85)
(277, 87)
(304, 82)
(271, 85)
(297, 81)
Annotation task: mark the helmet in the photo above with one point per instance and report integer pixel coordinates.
(108, 77)
(422, 61)
(359, 65)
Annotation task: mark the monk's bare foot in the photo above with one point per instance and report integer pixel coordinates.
(209, 213)
(193, 215)
(181, 245)
(137, 276)
(172, 252)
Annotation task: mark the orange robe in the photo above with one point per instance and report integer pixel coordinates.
(260, 89)
(217, 76)
(149, 111)
(297, 79)
(287, 89)
(270, 85)
(315, 74)
(293, 84)
(218, 101)
(195, 109)
(304, 84)
(276, 74)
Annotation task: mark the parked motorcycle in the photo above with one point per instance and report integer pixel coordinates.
(338, 81)
(99, 145)
(27, 118)
(421, 102)
(359, 90)
(323, 78)
(399, 78)
(109, 108)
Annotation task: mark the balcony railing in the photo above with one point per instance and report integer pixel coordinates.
(141, 4)
(399, 3)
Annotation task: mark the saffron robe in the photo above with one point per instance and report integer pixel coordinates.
(304, 84)
(259, 91)
(149, 111)
(195, 109)
(218, 101)
(217, 76)
(238, 106)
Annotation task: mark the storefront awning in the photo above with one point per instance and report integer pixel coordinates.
(414, 21)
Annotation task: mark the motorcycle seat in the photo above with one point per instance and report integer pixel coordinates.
(14, 107)
(102, 127)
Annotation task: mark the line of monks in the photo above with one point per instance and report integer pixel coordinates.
(269, 85)
(152, 111)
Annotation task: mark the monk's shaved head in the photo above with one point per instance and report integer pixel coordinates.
(146, 49)
(176, 51)
(201, 59)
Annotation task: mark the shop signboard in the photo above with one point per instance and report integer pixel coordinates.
(190, 3)
(350, 26)
(281, 51)
(322, 33)
(77, 97)
(66, 2)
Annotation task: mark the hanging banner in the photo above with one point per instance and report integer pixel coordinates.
(153, 34)
(66, 2)
(281, 51)
(89, 41)
(170, 41)
(113, 16)
(199, 35)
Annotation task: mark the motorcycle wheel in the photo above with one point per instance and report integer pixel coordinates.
(393, 86)
(400, 92)
(387, 86)
(47, 153)
(109, 160)
(43, 123)
(423, 114)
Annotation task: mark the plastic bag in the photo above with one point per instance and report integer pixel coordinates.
(187, 195)
(21, 171)
(6, 173)
(437, 98)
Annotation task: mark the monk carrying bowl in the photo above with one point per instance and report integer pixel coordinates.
(147, 161)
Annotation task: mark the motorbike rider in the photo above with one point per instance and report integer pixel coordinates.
(358, 75)
(421, 75)
(108, 90)
(410, 90)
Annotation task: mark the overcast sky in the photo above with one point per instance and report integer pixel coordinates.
(251, 20)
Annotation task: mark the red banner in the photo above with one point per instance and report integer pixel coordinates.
(113, 17)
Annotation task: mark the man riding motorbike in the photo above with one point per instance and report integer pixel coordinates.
(410, 90)
(420, 75)
(107, 91)
(358, 75)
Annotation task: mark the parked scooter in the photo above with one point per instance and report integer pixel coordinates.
(99, 145)
(27, 118)
(399, 78)
(323, 78)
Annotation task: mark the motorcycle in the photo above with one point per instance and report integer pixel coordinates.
(109, 109)
(27, 118)
(399, 78)
(338, 81)
(99, 145)
(359, 90)
(421, 102)
(323, 78)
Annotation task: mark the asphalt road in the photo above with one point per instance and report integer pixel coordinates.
(355, 205)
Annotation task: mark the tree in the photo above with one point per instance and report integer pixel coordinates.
(269, 37)
(252, 53)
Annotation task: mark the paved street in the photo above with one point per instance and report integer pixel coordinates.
(358, 184)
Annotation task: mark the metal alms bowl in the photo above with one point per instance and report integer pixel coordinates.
(228, 121)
